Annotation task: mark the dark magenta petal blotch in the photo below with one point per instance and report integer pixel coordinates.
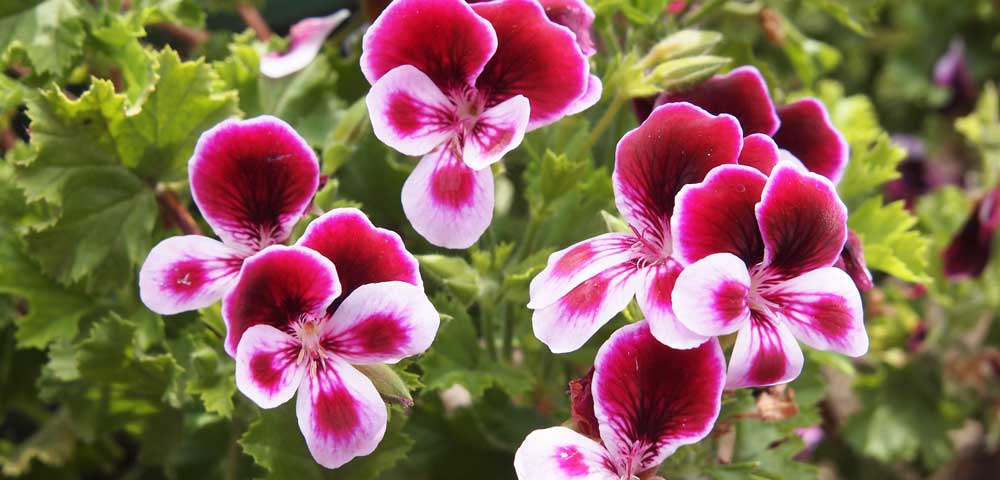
(186, 273)
(581, 399)
(823, 309)
(760, 152)
(717, 216)
(678, 144)
(253, 180)
(970, 250)
(575, 15)
(808, 134)
(279, 286)
(535, 58)
(444, 39)
(852, 261)
(765, 353)
(741, 93)
(361, 252)
(572, 266)
(651, 399)
(268, 366)
(802, 221)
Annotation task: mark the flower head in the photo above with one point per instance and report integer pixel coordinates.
(649, 399)
(252, 180)
(300, 316)
(952, 72)
(305, 41)
(460, 85)
(969, 251)
(759, 254)
(582, 287)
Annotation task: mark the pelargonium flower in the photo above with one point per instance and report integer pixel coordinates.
(252, 180)
(305, 40)
(582, 287)
(649, 399)
(460, 85)
(759, 254)
(801, 129)
(970, 250)
(300, 321)
(952, 72)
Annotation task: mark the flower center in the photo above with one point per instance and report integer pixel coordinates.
(760, 283)
(654, 245)
(307, 330)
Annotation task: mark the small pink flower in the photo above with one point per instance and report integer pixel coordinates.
(305, 40)
(460, 85)
(300, 316)
(585, 285)
(759, 254)
(649, 399)
(252, 180)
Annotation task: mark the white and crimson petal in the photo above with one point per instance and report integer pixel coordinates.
(446, 201)
(802, 221)
(278, 286)
(409, 112)
(823, 309)
(187, 273)
(444, 39)
(381, 323)
(269, 369)
(340, 413)
(567, 324)
(495, 132)
(650, 399)
(253, 180)
(654, 298)
(678, 144)
(559, 453)
(711, 296)
(807, 132)
(569, 267)
(765, 353)
(590, 97)
(717, 215)
(305, 41)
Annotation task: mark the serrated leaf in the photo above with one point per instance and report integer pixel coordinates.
(50, 33)
(889, 241)
(52, 444)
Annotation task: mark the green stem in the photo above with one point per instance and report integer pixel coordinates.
(486, 311)
(605, 121)
(508, 332)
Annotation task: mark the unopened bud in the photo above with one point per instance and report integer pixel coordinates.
(684, 43)
(685, 72)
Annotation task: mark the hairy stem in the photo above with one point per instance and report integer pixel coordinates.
(175, 212)
(252, 17)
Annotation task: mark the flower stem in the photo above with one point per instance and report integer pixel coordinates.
(605, 121)
(175, 211)
(252, 17)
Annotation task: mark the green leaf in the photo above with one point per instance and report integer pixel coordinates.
(454, 273)
(51, 35)
(212, 380)
(982, 129)
(890, 242)
(52, 444)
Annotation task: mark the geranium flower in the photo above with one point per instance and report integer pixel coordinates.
(801, 129)
(299, 322)
(585, 285)
(951, 72)
(760, 253)
(969, 251)
(305, 39)
(648, 399)
(252, 180)
(460, 84)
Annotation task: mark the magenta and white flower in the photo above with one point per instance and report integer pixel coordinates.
(585, 285)
(252, 180)
(649, 399)
(759, 254)
(305, 39)
(801, 129)
(460, 85)
(347, 293)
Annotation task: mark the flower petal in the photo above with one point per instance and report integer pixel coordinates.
(765, 354)
(711, 295)
(187, 273)
(268, 370)
(276, 287)
(654, 298)
(823, 309)
(447, 202)
(253, 180)
(381, 323)
(306, 38)
(444, 39)
(340, 413)
(651, 399)
(807, 132)
(535, 58)
(802, 221)
(361, 252)
(678, 144)
(593, 94)
(969, 251)
(760, 152)
(409, 113)
(497, 131)
(569, 267)
(559, 453)
(741, 93)
(717, 215)
(569, 322)
(852, 261)
(575, 15)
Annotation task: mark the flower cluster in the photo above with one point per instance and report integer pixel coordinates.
(297, 317)
(459, 85)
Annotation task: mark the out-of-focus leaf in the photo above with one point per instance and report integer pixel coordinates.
(50, 33)
(52, 444)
